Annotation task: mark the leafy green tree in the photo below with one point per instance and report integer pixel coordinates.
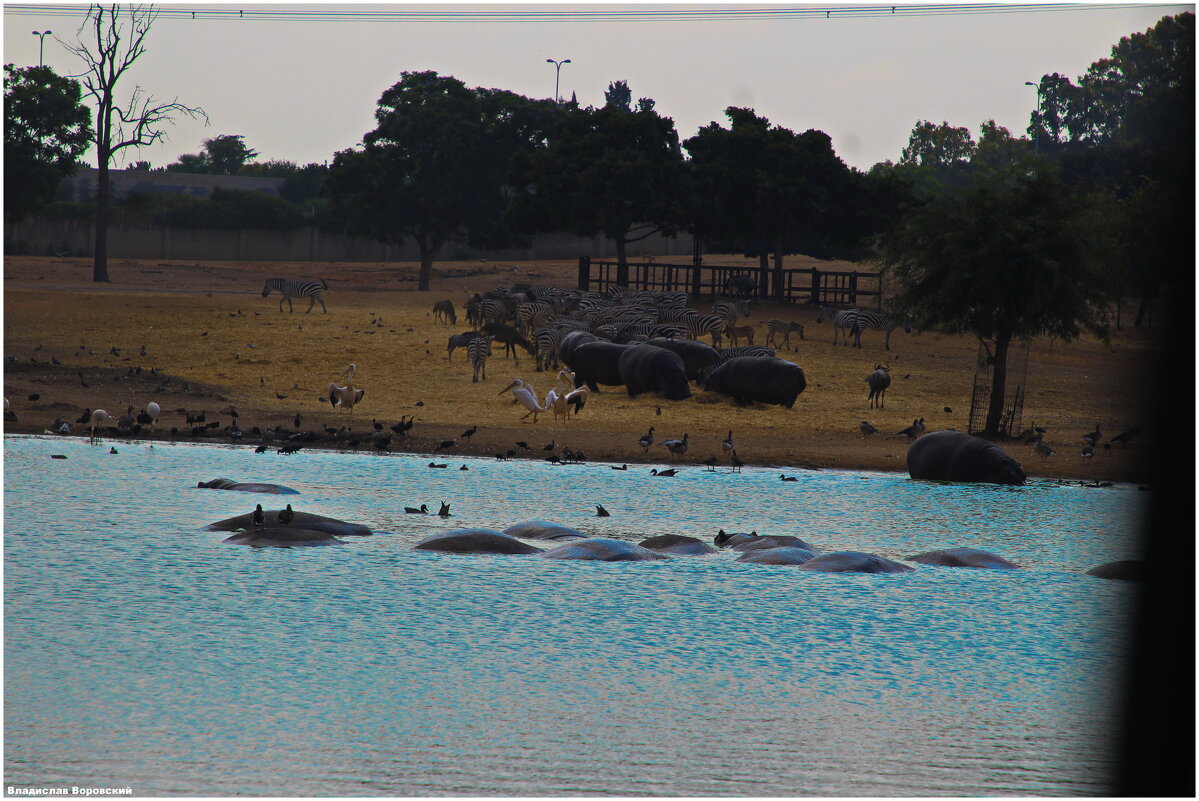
(609, 171)
(222, 155)
(116, 42)
(1006, 258)
(938, 145)
(437, 168)
(46, 130)
(619, 95)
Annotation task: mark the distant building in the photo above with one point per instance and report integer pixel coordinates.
(81, 187)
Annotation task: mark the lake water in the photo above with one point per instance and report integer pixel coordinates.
(142, 652)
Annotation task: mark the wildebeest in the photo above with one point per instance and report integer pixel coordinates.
(509, 337)
(758, 378)
(648, 368)
(460, 341)
(878, 381)
(444, 310)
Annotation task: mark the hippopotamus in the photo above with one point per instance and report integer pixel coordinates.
(758, 378)
(1125, 570)
(728, 540)
(772, 541)
(597, 363)
(698, 358)
(230, 484)
(302, 520)
(854, 562)
(954, 456)
(777, 556)
(572, 340)
(603, 550)
(647, 368)
(543, 530)
(677, 544)
(283, 537)
(962, 557)
(474, 540)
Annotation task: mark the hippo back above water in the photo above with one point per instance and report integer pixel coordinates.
(954, 456)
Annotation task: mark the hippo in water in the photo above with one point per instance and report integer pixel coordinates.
(283, 537)
(230, 484)
(543, 530)
(474, 540)
(962, 557)
(677, 544)
(954, 456)
(300, 520)
(603, 550)
(854, 562)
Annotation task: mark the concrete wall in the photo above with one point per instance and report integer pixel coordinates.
(40, 237)
(81, 187)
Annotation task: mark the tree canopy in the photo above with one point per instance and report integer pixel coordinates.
(437, 167)
(222, 155)
(46, 130)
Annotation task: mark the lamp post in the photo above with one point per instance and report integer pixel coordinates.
(557, 73)
(41, 42)
(1036, 137)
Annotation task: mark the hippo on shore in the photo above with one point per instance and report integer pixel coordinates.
(230, 484)
(954, 456)
(301, 520)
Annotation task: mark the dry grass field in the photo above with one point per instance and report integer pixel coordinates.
(206, 324)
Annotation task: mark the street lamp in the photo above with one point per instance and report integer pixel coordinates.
(557, 73)
(41, 42)
(1036, 139)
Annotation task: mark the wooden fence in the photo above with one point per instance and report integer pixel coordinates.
(796, 285)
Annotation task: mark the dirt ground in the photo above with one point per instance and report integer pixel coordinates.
(205, 327)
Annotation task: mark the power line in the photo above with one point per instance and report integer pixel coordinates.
(774, 13)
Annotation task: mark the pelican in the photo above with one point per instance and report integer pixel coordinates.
(99, 417)
(526, 396)
(346, 396)
(566, 381)
(152, 411)
(558, 401)
(677, 447)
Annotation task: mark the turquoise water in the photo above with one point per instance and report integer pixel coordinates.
(142, 652)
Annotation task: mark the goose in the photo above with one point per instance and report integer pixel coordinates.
(647, 440)
(677, 447)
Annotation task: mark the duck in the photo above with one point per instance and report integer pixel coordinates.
(622, 467)
(286, 516)
(434, 464)
(666, 473)
(258, 517)
(445, 510)
(600, 511)
(784, 477)
(423, 510)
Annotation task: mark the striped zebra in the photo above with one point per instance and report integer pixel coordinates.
(730, 310)
(477, 352)
(846, 319)
(700, 324)
(784, 327)
(296, 289)
(878, 322)
(545, 347)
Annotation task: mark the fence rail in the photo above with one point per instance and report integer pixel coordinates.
(793, 285)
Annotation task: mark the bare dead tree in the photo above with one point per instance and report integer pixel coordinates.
(118, 36)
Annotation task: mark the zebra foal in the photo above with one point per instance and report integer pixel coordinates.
(296, 289)
(785, 327)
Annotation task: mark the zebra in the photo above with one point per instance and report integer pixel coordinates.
(842, 319)
(460, 341)
(477, 351)
(699, 324)
(785, 327)
(297, 289)
(878, 322)
(545, 346)
(729, 310)
(745, 332)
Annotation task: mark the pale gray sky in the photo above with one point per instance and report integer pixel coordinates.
(301, 90)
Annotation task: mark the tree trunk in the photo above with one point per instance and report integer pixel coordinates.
(622, 263)
(100, 256)
(998, 385)
(778, 275)
(427, 253)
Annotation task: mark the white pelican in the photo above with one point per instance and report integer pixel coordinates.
(526, 396)
(346, 396)
(560, 402)
(153, 410)
(99, 416)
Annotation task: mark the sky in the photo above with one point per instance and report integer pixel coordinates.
(302, 90)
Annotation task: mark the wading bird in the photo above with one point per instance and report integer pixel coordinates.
(346, 396)
(526, 396)
(99, 417)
